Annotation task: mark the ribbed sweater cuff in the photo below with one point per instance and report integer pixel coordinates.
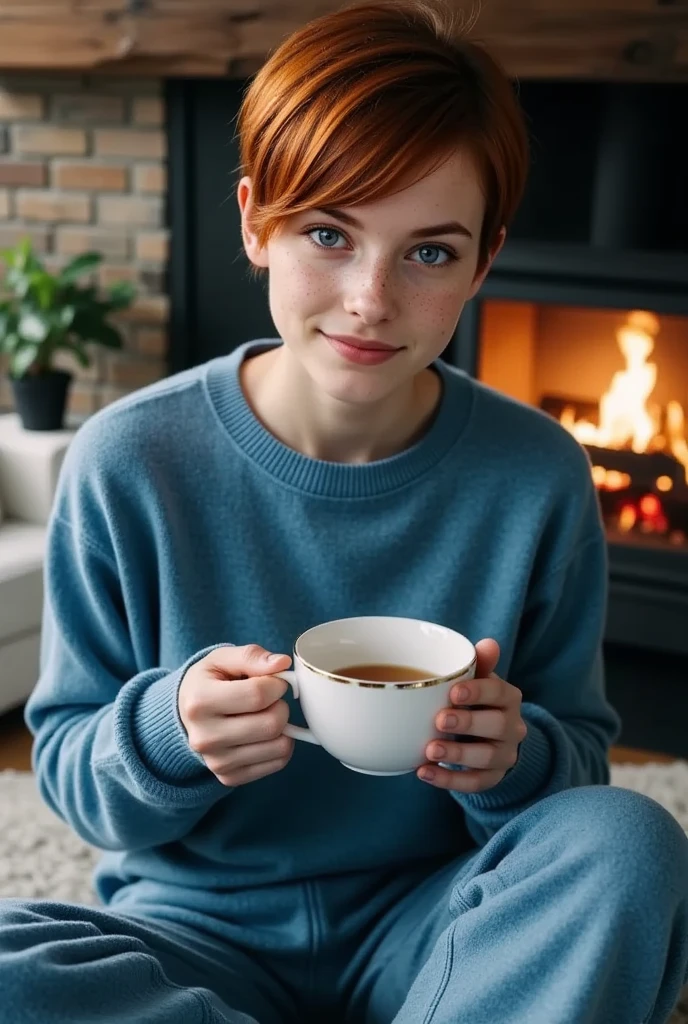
(526, 780)
(159, 734)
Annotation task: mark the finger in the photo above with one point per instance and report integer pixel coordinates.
(228, 761)
(208, 736)
(486, 692)
(488, 756)
(222, 697)
(261, 727)
(488, 656)
(242, 662)
(490, 723)
(251, 773)
(459, 782)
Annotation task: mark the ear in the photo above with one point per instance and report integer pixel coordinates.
(485, 269)
(257, 254)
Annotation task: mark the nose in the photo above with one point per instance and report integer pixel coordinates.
(370, 294)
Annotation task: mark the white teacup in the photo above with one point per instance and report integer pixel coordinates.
(378, 728)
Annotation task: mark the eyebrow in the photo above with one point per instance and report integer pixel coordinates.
(450, 227)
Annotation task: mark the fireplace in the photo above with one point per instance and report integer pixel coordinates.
(584, 315)
(617, 381)
(599, 341)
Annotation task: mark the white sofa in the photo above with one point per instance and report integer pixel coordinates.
(29, 465)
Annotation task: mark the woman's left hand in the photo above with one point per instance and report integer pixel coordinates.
(487, 708)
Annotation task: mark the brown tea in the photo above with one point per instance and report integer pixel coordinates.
(385, 673)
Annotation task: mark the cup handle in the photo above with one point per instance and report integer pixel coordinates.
(297, 732)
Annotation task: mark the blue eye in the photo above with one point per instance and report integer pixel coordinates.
(327, 237)
(434, 251)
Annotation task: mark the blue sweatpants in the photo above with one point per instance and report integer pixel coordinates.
(575, 912)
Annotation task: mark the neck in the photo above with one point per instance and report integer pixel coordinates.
(288, 403)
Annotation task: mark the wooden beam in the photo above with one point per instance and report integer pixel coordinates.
(609, 39)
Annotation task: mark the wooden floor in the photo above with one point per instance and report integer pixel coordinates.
(15, 747)
(15, 743)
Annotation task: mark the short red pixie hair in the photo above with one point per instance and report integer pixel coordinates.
(363, 102)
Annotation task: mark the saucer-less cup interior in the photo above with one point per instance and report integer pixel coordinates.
(373, 727)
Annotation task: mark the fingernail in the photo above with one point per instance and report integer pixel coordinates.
(427, 773)
(450, 722)
(438, 751)
(461, 694)
(275, 657)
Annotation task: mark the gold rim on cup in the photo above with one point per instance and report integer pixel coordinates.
(364, 683)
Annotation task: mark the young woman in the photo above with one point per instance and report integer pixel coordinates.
(342, 469)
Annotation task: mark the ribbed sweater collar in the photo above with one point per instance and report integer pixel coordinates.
(334, 479)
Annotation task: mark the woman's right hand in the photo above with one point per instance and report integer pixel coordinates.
(233, 714)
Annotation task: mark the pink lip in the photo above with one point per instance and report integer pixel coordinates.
(355, 350)
(370, 346)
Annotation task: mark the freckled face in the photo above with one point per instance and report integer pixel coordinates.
(384, 278)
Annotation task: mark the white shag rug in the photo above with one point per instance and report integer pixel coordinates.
(41, 858)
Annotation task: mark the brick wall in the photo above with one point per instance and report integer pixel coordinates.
(83, 166)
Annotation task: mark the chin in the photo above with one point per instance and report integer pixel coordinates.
(352, 386)
(340, 380)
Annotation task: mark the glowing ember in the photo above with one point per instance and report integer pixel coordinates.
(650, 505)
(625, 420)
(628, 517)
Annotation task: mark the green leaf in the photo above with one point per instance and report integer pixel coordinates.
(34, 327)
(65, 316)
(80, 265)
(9, 342)
(78, 350)
(26, 258)
(25, 249)
(17, 281)
(22, 360)
(109, 336)
(91, 328)
(21, 256)
(8, 320)
(80, 295)
(121, 295)
(22, 253)
(44, 286)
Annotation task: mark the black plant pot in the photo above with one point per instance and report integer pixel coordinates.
(41, 399)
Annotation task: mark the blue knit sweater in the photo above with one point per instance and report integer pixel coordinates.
(181, 523)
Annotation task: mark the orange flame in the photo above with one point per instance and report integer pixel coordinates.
(625, 420)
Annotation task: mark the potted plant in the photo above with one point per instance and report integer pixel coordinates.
(43, 313)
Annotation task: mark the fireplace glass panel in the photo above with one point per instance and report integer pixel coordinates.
(618, 381)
